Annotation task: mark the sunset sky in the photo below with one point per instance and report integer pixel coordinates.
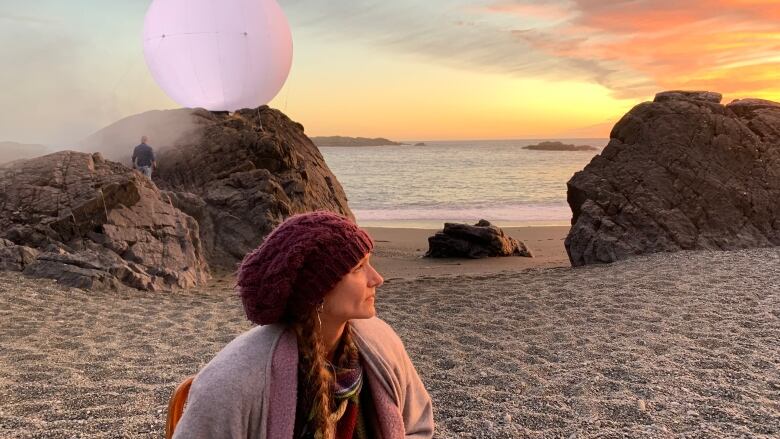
(406, 69)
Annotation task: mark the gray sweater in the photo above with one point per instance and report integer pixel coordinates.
(249, 389)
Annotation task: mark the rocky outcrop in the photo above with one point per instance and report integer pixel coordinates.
(223, 182)
(352, 141)
(478, 241)
(559, 146)
(243, 173)
(92, 223)
(680, 173)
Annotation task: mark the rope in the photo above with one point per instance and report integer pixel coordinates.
(219, 57)
(70, 201)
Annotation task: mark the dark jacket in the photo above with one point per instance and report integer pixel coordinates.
(143, 155)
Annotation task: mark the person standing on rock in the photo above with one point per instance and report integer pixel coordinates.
(143, 158)
(321, 365)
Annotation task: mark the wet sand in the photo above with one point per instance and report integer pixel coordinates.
(669, 345)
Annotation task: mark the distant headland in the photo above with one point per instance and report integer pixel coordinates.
(559, 146)
(351, 141)
(11, 151)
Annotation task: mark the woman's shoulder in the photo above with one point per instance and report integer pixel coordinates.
(373, 326)
(378, 334)
(245, 358)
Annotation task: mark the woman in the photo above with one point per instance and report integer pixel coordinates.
(321, 365)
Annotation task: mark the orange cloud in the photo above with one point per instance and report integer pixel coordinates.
(730, 46)
(758, 80)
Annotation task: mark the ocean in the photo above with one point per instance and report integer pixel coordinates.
(458, 181)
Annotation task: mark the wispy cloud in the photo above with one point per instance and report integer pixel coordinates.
(542, 11)
(483, 37)
(633, 47)
(725, 45)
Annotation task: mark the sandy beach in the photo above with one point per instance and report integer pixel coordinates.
(668, 345)
(399, 253)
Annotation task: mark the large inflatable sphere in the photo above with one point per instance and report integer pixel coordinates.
(222, 55)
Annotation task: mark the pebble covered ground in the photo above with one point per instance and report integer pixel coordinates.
(669, 345)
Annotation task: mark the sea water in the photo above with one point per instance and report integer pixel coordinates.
(458, 181)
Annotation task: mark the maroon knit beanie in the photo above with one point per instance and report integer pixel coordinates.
(301, 260)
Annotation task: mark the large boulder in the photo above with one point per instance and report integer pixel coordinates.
(680, 173)
(241, 174)
(93, 223)
(478, 241)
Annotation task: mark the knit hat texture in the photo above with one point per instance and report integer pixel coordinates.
(299, 262)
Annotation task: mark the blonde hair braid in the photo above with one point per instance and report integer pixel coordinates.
(318, 376)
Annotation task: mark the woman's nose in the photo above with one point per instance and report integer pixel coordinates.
(376, 279)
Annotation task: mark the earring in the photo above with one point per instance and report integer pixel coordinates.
(320, 308)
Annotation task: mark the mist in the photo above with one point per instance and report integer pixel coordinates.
(12, 151)
(164, 128)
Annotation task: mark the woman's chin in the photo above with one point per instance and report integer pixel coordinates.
(370, 313)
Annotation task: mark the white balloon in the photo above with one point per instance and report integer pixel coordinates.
(222, 55)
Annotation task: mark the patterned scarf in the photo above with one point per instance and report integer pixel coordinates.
(348, 418)
(346, 393)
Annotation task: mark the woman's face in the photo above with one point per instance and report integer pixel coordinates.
(353, 297)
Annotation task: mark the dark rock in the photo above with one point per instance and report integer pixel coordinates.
(96, 224)
(681, 173)
(675, 95)
(478, 241)
(419, 144)
(15, 257)
(241, 174)
(72, 275)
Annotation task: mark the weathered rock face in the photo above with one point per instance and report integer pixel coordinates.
(682, 172)
(478, 241)
(242, 174)
(15, 257)
(92, 223)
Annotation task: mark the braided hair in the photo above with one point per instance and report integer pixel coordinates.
(316, 378)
